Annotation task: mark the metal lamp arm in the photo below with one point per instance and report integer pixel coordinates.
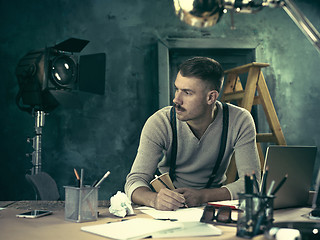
(250, 6)
(299, 18)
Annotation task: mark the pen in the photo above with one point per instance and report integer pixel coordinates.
(257, 227)
(264, 181)
(167, 219)
(280, 185)
(248, 184)
(270, 188)
(97, 185)
(94, 183)
(248, 187)
(255, 181)
(102, 179)
(251, 184)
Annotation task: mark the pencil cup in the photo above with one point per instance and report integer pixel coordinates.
(81, 204)
(163, 181)
(255, 215)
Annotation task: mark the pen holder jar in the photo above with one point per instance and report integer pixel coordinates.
(81, 204)
(255, 215)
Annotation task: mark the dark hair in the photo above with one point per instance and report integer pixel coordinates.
(203, 68)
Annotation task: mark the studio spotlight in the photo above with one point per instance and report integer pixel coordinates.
(47, 74)
(47, 78)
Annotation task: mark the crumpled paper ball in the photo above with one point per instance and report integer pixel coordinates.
(120, 205)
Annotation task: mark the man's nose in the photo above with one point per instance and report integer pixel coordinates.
(177, 98)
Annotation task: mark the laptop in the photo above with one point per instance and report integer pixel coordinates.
(296, 161)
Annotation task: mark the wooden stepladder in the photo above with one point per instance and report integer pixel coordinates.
(255, 92)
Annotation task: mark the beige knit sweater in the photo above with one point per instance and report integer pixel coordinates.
(195, 158)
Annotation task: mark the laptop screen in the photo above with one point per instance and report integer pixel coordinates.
(298, 163)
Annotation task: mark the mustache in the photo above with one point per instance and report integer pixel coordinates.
(178, 107)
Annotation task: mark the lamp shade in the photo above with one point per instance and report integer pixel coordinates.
(199, 13)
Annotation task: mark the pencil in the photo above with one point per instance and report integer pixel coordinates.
(77, 176)
(97, 185)
(102, 179)
(280, 185)
(76, 173)
(157, 177)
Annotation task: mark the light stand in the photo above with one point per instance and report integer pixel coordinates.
(43, 184)
(39, 117)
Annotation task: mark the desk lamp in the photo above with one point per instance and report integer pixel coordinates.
(46, 78)
(206, 13)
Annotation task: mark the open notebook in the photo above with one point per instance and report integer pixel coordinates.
(182, 223)
(131, 229)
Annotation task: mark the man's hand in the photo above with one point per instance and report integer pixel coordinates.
(171, 200)
(168, 200)
(194, 197)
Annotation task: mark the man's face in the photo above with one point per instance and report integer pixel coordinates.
(190, 98)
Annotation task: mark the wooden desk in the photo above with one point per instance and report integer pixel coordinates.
(54, 226)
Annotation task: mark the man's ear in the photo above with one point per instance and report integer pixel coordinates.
(212, 96)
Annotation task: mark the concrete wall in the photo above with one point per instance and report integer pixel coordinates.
(103, 133)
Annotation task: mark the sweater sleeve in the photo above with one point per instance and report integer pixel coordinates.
(243, 135)
(154, 141)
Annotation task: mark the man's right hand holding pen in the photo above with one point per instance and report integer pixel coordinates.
(167, 199)
(187, 197)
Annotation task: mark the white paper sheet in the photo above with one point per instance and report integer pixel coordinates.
(190, 229)
(137, 228)
(182, 214)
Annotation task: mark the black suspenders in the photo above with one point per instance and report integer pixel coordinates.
(172, 172)
(222, 145)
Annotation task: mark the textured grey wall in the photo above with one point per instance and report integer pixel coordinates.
(103, 133)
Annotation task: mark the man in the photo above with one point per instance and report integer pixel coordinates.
(199, 124)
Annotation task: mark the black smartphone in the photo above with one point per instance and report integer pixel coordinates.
(34, 214)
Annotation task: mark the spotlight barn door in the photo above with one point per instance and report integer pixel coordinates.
(92, 73)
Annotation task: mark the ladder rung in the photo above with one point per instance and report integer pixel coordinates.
(228, 97)
(233, 96)
(266, 137)
(256, 100)
(245, 68)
